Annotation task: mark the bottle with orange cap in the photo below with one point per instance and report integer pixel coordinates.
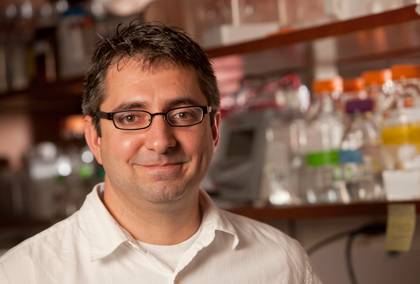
(401, 129)
(327, 95)
(353, 88)
(401, 136)
(324, 133)
(379, 87)
(406, 78)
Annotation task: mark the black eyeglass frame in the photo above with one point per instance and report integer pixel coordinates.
(110, 116)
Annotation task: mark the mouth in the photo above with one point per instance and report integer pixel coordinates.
(167, 167)
(162, 171)
(162, 165)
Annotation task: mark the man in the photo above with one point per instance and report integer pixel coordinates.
(151, 120)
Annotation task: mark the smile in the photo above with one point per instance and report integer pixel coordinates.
(162, 172)
(166, 165)
(167, 169)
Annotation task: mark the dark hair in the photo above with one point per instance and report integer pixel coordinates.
(151, 44)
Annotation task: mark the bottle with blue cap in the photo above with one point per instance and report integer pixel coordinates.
(360, 156)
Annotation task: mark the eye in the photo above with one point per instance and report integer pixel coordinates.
(130, 118)
(182, 115)
(185, 116)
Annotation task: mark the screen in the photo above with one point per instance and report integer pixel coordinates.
(240, 143)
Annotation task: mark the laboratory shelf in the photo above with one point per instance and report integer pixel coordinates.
(288, 36)
(73, 88)
(266, 213)
(272, 213)
(51, 92)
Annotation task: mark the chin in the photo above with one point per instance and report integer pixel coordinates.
(163, 193)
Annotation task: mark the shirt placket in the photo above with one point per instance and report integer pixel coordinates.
(154, 262)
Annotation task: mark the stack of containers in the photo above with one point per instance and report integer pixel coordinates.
(401, 136)
(321, 172)
(360, 148)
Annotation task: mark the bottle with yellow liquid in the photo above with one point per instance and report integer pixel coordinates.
(401, 139)
(401, 130)
(401, 136)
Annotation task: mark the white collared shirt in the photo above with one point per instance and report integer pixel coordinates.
(91, 247)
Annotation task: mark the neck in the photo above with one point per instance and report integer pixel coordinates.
(161, 224)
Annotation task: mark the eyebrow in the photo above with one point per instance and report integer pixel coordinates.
(128, 106)
(182, 102)
(172, 104)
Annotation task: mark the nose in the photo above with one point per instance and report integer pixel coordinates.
(159, 136)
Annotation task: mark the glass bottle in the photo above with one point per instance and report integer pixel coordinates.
(360, 153)
(284, 135)
(401, 136)
(322, 181)
(401, 139)
(401, 129)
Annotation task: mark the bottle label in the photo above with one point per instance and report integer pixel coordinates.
(323, 158)
(401, 134)
(351, 156)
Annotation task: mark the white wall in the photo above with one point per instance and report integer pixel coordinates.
(370, 261)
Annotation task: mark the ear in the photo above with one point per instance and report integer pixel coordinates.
(216, 128)
(92, 138)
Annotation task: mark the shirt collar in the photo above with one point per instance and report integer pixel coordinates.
(214, 220)
(102, 231)
(105, 235)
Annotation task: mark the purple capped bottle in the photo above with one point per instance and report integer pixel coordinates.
(360, 156)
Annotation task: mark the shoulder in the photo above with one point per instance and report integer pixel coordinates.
(263, 238)
(40, 250)
(250, 228)
(280, 250)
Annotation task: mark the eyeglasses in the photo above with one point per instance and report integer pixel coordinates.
(140, 119)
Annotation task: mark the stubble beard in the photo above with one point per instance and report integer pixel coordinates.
(160, 190)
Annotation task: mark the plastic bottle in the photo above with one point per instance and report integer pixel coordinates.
(322, 181)
(360, 155)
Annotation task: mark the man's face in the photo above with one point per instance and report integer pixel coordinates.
(160, 163)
